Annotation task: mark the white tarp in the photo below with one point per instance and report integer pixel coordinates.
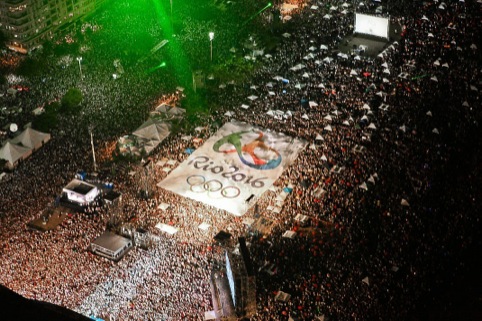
(167, 228)
(237, 162)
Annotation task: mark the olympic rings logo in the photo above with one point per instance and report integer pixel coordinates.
(198, 184)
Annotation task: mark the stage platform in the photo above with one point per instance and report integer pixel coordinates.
(49, 220)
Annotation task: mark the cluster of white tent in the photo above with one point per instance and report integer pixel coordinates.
(22, 146)
(152, 132)
(145, 138)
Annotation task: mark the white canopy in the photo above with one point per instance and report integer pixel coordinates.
(13, 153)
(176, 111)
(297, 67)
(153, 129)
(31, 138)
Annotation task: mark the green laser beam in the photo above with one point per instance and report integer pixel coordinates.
(161, 65)
(177, 59)
(258, 13)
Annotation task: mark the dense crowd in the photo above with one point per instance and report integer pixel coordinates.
(379, 131)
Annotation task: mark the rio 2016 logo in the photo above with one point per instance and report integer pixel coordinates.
(270, 159)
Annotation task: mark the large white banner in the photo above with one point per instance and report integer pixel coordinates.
(236, 165)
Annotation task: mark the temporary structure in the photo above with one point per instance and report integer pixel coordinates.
(31, 138)
(153, 129)
(13, 154)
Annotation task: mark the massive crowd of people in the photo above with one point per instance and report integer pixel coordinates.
(376, 235)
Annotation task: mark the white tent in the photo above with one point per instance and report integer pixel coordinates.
(328, 117)
(319, 137)
(163, 206)
(167, 228)
(372, 126)
(364, 186)
(31, 138)
(404, 202)
(228, 113)
(328, 128)
(297, 67)
(153, 129)
(13, 154)
(313, 104)
(163, 108)
(176, 111)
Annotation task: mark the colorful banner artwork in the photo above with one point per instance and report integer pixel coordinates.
(236, 165)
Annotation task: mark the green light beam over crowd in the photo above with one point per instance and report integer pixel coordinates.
(176, 56)
(258, 13)
(161, 65)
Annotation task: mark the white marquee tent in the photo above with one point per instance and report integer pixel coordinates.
(31, 138)
(14, 153)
